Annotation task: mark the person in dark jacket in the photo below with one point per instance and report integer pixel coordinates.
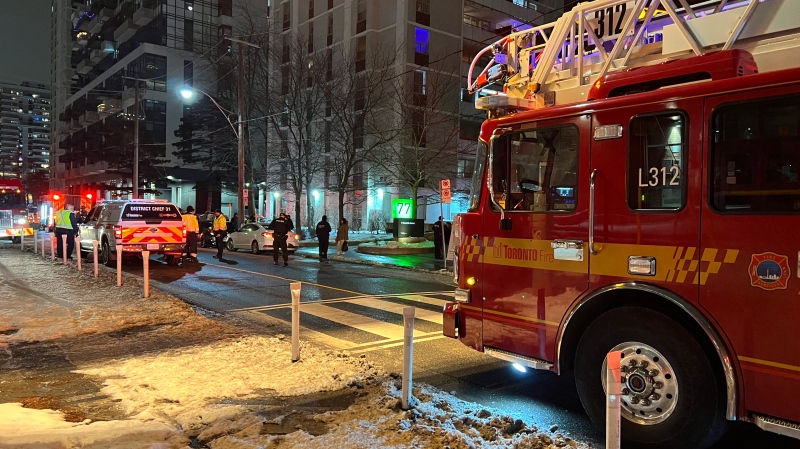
(324, 235)
(280, 233)
(233, 226)
(439, 229)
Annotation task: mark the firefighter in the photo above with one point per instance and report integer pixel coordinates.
(220, 230)
(440, 237)
(280, 234)
(192, 229)
(66, 224)
(82, 215)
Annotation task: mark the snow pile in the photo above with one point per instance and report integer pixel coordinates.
(179, 378)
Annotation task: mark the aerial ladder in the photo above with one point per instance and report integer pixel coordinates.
(567, 61)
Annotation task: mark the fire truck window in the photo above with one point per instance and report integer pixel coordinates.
(656, 162)
(755, 157)
(477, 178)
(536, 170)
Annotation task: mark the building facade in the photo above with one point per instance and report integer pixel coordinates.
(118, 62)
(434, 42)
(24, 131)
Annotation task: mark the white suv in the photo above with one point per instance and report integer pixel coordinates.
(138, 225)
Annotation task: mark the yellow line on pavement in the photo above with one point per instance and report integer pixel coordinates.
(290, 280)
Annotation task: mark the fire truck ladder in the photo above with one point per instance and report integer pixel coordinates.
(594, 39)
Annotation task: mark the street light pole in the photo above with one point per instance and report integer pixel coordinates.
(136, 140)
(240, 96)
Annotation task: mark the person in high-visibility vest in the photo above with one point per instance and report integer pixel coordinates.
(192, 229)
(66, 224)
(220, 230)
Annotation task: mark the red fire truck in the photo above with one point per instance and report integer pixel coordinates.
(13, 210)
(631, 181)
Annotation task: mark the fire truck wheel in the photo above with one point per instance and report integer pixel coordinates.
(16, 239)
(671, 396)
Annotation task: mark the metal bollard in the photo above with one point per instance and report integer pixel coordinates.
(146, 269)
(64, 248)
(22, 240)
(35, 242)
(94, 253)
(408, 352)
(43, 256)
(53, 248)
(80, 254)
(119, 265)
(613, 392)
(295, 288)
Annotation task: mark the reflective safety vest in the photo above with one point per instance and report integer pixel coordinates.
(220, 223)
(62, 219)
(190, 221)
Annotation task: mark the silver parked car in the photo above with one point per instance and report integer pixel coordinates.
(256, 237)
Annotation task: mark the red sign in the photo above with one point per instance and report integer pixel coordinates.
(769, 271)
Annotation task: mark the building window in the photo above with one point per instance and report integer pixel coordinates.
(755, 162)
(476, 22)
(330, 4)
(358, 132)
(361, 54)
(329, 66)
(358, 95)
(310, 9)
(420, 86)
(327, 137)
(329, 41)
(656, 148)
(423, 16)
(361, 17)
(311, 37)
(188, 73)
(421, 40)
(287, 20)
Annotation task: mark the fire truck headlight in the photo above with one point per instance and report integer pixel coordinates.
(471, 281)
(22, 221)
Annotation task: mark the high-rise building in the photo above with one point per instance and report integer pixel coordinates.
(24, 130)
(109, 54)
(434, 42)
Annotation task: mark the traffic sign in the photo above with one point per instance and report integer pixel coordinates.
(245, 196)
(446, 196)
(445, 184)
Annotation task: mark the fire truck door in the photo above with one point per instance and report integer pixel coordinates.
(535, 233)
(752, 215)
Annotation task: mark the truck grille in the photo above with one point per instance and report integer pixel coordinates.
(6, 219)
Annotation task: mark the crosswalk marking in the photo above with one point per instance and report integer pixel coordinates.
(365, 323)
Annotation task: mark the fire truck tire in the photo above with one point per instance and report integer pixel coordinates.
(676, 398)
(16, 239)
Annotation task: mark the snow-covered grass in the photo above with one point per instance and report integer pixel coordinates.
(211, 381)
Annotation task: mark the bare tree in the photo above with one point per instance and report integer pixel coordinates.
(426, 109)
(358, 123)
(296, 103)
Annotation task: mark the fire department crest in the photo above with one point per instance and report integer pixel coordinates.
(769, 271)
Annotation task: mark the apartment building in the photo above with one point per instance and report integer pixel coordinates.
(24, 131)
(425, 33)
(113, 61)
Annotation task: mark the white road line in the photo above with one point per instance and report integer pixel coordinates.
(364, 323)
(377, 303)
(393, 344)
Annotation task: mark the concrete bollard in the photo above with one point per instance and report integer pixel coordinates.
(43, 256)
(119, 265)
(613, 392)
(22, 240)
(53, 248)
(80, 254)
(64, 248)
(408, 352)
(35, 242)
(146, 269)
(295, 288)
(94, 253)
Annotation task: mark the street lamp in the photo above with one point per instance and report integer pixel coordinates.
(187, 93)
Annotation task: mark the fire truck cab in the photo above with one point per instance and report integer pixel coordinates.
(635, 206)
(14, 221)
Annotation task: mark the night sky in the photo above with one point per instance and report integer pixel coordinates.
(25, 41)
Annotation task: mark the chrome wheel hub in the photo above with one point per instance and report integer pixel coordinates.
(649, 385)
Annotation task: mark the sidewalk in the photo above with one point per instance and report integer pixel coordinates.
(419, 262)
(88, 364)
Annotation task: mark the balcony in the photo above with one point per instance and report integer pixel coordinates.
(93, 169)
(109, 107)
(75, 125)
(96, 55)
(88, 118)
(143, 15)
(125, 31)
(85, 66)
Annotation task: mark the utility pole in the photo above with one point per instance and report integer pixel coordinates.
(240, 96)
(136, 140)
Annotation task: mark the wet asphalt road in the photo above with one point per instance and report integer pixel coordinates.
(243, 284)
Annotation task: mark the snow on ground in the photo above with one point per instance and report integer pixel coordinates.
(219, 387)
